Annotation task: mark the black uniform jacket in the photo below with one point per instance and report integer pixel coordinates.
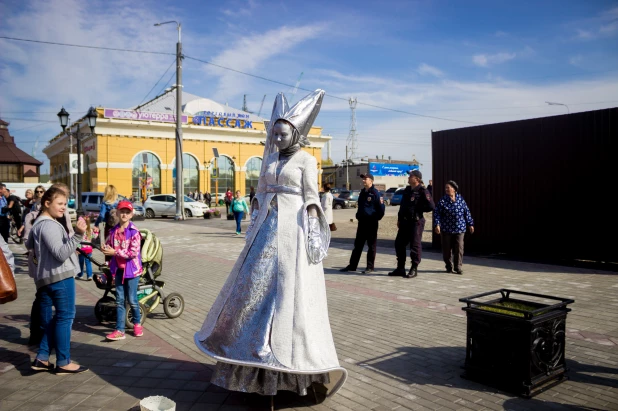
(414, 203)
(370, 205)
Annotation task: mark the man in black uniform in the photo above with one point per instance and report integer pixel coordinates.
(370, 211)
(415, 201)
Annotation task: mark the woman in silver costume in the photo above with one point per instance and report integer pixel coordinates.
(268, 328)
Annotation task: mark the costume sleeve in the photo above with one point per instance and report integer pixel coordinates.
(311, 197)
(437, 214)
(467, 214)
(133, 250)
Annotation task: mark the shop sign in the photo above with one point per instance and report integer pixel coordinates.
(221, 119)
(391, 170)
(142, 115)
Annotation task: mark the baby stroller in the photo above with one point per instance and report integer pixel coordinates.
(149, 290)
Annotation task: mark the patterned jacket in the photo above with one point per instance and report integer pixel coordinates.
(129, 249)
(452, 216)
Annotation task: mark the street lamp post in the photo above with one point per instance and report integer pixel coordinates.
(179, 180)
(551, 103)
(63, 116)
(347, 169)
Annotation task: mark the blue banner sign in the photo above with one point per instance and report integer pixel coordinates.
(391, 170)
(216, 119)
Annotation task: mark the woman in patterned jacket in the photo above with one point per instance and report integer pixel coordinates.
(450, 219)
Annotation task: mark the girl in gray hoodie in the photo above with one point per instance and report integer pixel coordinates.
(55, 265)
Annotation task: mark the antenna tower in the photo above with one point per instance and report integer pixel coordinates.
(351, 142)
(261, 105)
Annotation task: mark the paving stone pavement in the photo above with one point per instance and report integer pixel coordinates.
(402, 341)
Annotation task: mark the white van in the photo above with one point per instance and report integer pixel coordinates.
(91, 203)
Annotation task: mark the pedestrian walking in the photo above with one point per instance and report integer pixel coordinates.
(415, 201)
(55, 265)
(108, 212)
(370, 211)
(327, 206)
(208, 198)
(123, 246)
(251, 194)
(5, 224)
(239, 208)
(84, 260)
(430, 187)
(450, 220)
(14, 205)
(228, 200)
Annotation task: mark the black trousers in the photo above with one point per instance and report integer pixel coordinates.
(367, 231)
(5, 227)
(409, 233)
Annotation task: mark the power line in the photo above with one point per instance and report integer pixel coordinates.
(327, 95)
(88, 47)
(160, 78)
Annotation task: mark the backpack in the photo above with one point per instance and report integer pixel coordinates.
(111, 218)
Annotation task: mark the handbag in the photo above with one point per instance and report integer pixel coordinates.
(8, 288)
(333, 227)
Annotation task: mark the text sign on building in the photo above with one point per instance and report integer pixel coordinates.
(391, 170)
(142, 115)
(220, 119)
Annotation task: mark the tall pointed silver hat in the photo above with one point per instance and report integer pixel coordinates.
(280, 106)
(303, 114)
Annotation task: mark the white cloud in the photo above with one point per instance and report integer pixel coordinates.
(584, 34)
(485, 60)
(248, 53)
(576, 60)
(427, 69)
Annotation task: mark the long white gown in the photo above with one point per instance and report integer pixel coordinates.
(268, 328)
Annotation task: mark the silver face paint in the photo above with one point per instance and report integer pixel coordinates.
(282, 134)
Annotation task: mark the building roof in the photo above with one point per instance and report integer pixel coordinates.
(9, 153)
(192, 104)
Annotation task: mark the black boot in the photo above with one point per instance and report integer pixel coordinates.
(399, 272)
(412, 273)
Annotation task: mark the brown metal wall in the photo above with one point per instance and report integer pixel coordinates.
(537, 188)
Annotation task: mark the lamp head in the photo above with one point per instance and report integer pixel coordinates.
(63, 116)
(92, 118)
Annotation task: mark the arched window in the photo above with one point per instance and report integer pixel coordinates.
(190, 173)
(226, 175)
(149, 178)
(252, 175)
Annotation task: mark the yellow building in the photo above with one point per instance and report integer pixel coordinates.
(132, 149)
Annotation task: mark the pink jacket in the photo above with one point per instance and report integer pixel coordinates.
(129, 249)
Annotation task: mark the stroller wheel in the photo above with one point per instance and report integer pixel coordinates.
(104, 309)
(173, 305)
(129, 315)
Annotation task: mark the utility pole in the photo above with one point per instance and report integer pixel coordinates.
(347, 169)
(180, 215)
(351, 142)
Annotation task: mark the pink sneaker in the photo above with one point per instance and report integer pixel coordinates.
(115, 336)
(138, 330)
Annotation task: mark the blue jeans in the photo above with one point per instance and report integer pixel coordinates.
(85, 260)
(61, 296)
(127, 290)
(238, 217)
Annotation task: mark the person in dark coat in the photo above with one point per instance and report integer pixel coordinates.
(369, 212)
(416, 200)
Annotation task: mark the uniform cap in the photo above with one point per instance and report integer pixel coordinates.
(367, 175)
(417, 174)
(125, 204)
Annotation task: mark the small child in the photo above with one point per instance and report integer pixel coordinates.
(90, 234)
(123, 245)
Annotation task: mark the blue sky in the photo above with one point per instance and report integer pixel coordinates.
(473, 62)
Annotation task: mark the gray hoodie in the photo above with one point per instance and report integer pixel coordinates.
(54, 252)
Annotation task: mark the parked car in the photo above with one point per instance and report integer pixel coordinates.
(397, 197)
(339, 203)
(91, 203)
(350, 196)
(165, 205)
(388, 195)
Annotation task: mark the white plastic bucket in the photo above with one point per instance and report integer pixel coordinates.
(157, 403)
